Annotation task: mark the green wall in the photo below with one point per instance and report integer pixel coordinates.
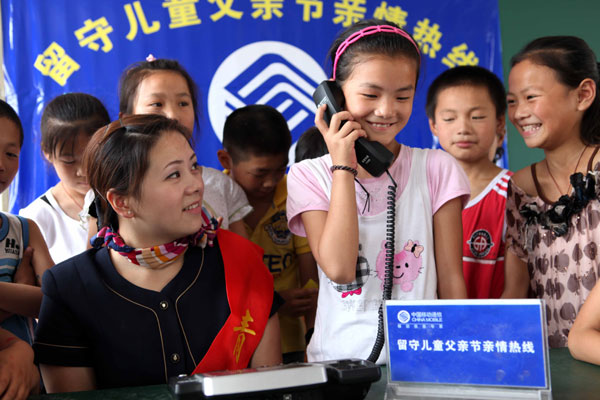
(524, 20)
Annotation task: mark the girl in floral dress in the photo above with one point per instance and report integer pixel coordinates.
(553, 212)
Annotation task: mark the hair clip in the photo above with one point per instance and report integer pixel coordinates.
(150, 58)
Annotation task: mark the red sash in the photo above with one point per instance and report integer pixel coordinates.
(249, 286)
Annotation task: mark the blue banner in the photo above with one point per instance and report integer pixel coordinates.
(238, 52)
(493, 343)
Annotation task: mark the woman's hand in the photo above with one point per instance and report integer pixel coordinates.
(340, 139)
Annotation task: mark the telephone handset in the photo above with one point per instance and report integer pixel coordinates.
(372, 156)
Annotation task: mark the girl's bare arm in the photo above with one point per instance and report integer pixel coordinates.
(41, 256)
(447, 237)
(516, 277)
(333, 235)
(584, 337)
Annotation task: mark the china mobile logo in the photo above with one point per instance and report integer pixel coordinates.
(403, 316)
(268, 72)
(420, 319)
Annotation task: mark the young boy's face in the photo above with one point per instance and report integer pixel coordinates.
(10, 149)
(466, 123)
(259, 175)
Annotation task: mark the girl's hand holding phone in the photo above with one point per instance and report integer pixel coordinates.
(340, 136)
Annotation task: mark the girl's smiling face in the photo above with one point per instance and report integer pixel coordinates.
(165, 93)
(544, 110)
(379, 94)
(170, 204)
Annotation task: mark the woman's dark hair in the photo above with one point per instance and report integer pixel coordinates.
(386, 43)
(117, 157)
(133, 76)
(573, 61)
(6, 111)
(67, 116)
(467, 76)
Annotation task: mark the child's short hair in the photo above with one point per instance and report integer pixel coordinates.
(310, 145)
(134, 74)
(467, 76)
(256, 130)
(68, 115)
(6, 111)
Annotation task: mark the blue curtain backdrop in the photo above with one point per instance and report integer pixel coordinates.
(238, 51)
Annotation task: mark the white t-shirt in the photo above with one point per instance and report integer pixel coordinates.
(64, 236)
(347, 315)
(223, 197)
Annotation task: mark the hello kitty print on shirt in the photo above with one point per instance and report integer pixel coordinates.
(407, 265)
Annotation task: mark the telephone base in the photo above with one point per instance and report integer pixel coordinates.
(348, 379)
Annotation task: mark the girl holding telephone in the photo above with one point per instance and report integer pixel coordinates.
(345, 211)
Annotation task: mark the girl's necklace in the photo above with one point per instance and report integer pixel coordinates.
(554, 180)
(79, 206)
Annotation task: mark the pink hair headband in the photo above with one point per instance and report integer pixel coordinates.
(368, 31)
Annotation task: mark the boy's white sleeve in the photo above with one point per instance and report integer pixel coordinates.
(238, 204)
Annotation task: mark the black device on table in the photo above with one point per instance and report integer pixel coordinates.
(372, 156)
(349, 379)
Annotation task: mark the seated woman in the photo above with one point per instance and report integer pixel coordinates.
(169, 293)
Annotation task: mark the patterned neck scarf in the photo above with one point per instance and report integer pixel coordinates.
(157, 256)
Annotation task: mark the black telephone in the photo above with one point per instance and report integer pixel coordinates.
(349, 379)
(372, 156)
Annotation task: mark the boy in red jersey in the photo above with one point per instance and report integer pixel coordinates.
(466, 108)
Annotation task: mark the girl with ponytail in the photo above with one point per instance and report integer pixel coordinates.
(553, 212)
